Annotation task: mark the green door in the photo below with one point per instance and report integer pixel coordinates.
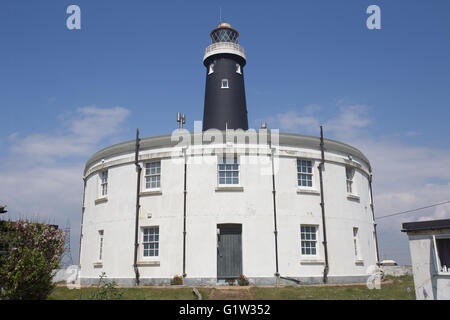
(229, 251)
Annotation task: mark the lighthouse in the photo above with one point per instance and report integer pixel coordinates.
(225, 106)
(217, 209)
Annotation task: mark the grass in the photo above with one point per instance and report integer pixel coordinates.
(395, 291)
(144, 293)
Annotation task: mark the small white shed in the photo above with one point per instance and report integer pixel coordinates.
(429, 243)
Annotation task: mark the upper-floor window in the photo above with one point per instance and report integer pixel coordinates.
(224, 84)
(308, 236)
(211, 68)
(228, 170)
(304, 173)
(104, 183)
(350, 173)
(238, 68)
(152, 175)
(150, 242)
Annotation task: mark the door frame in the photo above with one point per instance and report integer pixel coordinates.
(219, 227)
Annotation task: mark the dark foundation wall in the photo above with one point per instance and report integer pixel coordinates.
(225, 107)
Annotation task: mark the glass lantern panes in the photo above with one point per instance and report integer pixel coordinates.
(151, 242)
(224, 35)
(304, 173)
(228, 169)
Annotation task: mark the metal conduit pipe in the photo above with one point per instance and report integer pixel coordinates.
(184, 215)
(138, 172)
(322, 204)
(373, 216)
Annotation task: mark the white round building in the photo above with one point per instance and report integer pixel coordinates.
(226, 200)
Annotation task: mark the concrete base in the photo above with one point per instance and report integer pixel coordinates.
(258, 281)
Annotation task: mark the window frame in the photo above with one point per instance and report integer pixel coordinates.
(145, 175)
(143, 243)
(222, 83)
(316, 240)
(436, 254)
(238, 68)
(101, 244)
(351, 180)
(313, 185)
(103, 183)
(357, 245)
(221, 163)
(210, 68)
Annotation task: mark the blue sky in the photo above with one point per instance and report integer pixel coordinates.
(64, 94)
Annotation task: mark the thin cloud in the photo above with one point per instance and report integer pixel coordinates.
(42, 173)
(85, 130)
(402, 172)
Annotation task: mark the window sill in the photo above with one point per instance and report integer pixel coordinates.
(98, 264)
(359, 262)
(307, 191)
(229, 188)
(148, 263)
(352, 196)
(100, 200)
(312, 261)
(156, 192)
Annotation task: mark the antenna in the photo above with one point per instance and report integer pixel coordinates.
(220, 14)
(66, 258)
(181, 119)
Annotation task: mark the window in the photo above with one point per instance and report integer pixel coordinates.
(228, 169)
(100, 241)
(211, 68)
(442, 253)
(356, 243)
(349, 172)
(225, 84)
(104, 183)
(304, 173)
(153, 175)
(238, 68)
(151, 242)
(308, 236)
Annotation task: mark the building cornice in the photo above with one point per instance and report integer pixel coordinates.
(167, 141)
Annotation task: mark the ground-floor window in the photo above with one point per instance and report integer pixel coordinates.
(100, 245)
(308, 235)
(442, 246)
(150, 242)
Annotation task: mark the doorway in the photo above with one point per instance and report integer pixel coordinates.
(229, 251)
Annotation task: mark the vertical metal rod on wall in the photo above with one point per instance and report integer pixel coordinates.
(373, 216)
(322, 204)
(277, 274)
(136, 231)
(82, 219)
(184, 215)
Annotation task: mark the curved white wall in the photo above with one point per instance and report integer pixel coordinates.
(206, 207)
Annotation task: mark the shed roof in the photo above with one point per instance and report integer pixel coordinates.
(426, 225)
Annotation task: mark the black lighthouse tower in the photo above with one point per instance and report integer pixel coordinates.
(225, 106)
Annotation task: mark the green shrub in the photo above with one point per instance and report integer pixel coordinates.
(33, 252)
(105, 291)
